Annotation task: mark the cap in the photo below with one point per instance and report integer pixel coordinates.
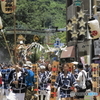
(42, 67)
(28, 64)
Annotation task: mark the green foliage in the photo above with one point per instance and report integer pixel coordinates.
(37, 14)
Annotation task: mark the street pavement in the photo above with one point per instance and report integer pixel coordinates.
(4, 98)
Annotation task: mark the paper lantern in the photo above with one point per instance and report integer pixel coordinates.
(8, 6)
(94, 28)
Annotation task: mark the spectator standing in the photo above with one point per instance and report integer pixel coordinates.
(29, 80)
(81, 82)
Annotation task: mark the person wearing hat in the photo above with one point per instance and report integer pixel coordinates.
(81, 82)
(44, 84)
(29, 80)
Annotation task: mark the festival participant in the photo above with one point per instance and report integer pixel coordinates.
(44, 83)
(17, 83)
(5, 71)
(65, 80)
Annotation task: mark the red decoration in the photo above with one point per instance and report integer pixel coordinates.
(0, 80)
(72, 88)
(94, 33)
(36, 89)
(2, 0)
(54, 94)
(94, 69)
(70, 69)
(54, 69)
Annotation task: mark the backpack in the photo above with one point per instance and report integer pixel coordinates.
(88, 82)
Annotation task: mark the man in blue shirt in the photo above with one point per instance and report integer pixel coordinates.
(29, 80)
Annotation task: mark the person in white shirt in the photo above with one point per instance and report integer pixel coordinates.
(81, 82)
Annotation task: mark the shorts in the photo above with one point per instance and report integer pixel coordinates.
(64, 93)
(80, 93)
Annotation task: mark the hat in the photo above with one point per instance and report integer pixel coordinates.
(42, 67)
(24, 65)
(28, 64)
(75, 62)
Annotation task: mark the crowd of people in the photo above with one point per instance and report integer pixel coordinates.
(17, 81)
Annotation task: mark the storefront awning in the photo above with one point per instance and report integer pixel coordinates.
(68, 53)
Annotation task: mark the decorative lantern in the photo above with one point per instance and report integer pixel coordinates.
(21, 38)
(8, 6)
(94, 28)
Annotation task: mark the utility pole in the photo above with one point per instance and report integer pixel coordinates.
(90, 8)
(67, 36)
(95, 7)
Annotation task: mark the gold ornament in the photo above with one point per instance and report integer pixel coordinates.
(81, 14)
(74, 20)
(82, 23)
(69, 26)
(35, 38)
(21, 38)
(74, 34)
(82, 31)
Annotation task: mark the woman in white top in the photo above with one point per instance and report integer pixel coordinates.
(81, 82)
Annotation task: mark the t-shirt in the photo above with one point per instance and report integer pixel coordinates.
(82, 79)
(29, 79)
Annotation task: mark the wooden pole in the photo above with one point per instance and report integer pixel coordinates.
(15, 59)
